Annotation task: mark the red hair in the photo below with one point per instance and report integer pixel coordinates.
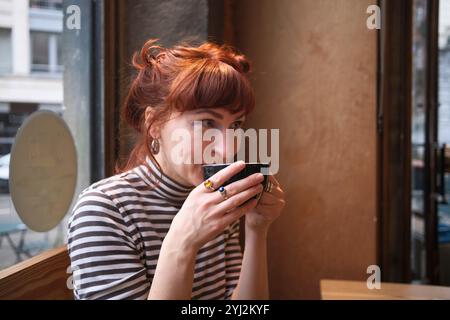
(183, 78)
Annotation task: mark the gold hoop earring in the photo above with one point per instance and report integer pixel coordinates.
(154, 147)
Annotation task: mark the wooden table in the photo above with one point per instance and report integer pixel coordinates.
(357, 290)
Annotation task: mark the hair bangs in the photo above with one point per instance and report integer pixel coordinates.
(212, 83)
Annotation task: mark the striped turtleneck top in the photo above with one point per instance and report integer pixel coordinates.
(115, 233)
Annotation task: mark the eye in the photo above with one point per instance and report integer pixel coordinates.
(208, 123)
(237, 125)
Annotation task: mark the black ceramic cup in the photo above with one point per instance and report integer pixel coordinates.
(250, 168)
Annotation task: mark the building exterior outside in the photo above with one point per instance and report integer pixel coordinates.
(31, 79)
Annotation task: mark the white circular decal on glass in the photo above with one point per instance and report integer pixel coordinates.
(43, 170)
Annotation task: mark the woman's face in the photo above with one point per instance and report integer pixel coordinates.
(178, 157)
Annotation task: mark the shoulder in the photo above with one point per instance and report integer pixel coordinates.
(122, 182)
(97, 215)
(100, 200)
(114, 189)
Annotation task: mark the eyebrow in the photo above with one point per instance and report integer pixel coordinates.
(214, 113)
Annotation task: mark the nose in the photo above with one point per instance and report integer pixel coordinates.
(223, 148)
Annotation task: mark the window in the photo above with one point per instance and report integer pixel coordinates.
(430, 211)
(418, 128)
(6, 50)
(46, 4)
(46, 52)
(443, 127)
(70, 97)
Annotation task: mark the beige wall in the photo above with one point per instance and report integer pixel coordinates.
(315, 79)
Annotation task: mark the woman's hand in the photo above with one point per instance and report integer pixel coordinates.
(268, 209)
(206, 213)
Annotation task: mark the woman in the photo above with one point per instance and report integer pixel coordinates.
(156, 230)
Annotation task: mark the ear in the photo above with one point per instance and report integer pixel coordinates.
(155, 129)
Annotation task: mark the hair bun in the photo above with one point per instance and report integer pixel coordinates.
(148, 55)
(150, 58)
(244, 63)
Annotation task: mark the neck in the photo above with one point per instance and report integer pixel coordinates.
(168, 171)
(168, 188)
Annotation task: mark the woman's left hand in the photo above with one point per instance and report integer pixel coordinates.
(268, 209)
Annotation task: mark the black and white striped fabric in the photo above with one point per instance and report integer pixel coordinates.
(115, 233)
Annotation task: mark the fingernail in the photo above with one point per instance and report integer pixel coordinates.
(240, 163)
(260, 177)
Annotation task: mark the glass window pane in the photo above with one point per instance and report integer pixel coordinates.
(59, 51)
(40, 51)
(418, 139)
(46, 4)
(6, 50)
(19, 98)
(444, 139)
(46, 52)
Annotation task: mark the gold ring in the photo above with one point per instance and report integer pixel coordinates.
(209, 185)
